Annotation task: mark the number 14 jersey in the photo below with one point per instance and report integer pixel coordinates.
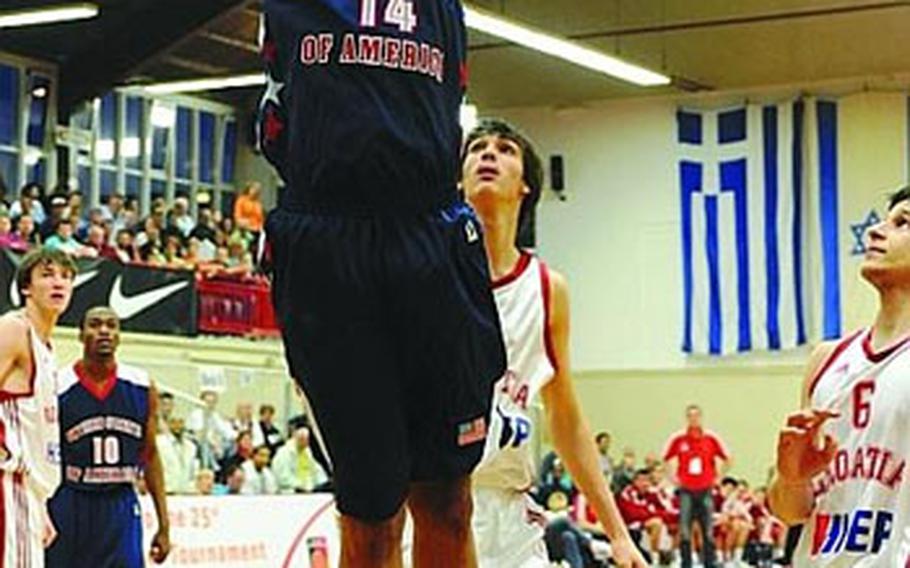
(102, 427)
(862, 500)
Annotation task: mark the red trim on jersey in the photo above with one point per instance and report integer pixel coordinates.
(545, 292)
(883, 354)
(830, 360)
(98, 390)
(523, 261)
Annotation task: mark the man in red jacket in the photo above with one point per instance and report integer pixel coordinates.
(697, 452)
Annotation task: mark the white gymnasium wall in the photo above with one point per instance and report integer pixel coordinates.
(616, 238)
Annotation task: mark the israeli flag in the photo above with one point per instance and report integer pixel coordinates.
(759, 226)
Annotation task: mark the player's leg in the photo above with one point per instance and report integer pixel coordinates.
(327, 289)
(125, 519)
(453, 356)
(442, 523)
(63, 513)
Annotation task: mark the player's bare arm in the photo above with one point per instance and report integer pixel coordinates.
(572, 436)
(801, 455)
(15, 361)
(154, 479)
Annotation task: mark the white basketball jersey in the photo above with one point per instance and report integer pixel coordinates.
(522, 300)
(862, 510)
(32, 473)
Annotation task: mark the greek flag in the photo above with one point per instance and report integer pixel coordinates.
(759, 226)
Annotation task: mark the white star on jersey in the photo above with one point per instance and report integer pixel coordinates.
(272, 90)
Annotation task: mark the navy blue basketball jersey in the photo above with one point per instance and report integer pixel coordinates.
(361, 111)
(102, 427)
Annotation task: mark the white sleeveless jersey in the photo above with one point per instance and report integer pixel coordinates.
(32, 473)
(522, 299)
(862, 511)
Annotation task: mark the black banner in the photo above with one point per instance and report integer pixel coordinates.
(154, 300)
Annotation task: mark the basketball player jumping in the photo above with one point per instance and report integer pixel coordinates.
(108, 421)
(841, 461)
(501, 177)
(29, 434)
(380, 277)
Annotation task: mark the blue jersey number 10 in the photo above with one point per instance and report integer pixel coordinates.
(399, 13)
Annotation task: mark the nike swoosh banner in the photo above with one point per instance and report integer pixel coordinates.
(153, 300)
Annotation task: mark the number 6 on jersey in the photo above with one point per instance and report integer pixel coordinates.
(399, 13)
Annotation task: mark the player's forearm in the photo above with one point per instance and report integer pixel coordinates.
(575, 445)
(791, 502)
(154, 480)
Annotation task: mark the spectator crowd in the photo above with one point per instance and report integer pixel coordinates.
(205, 453)
(658, 503)
(212, 244)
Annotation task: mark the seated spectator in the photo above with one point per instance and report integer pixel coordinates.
(58, 211)
(124, 247)
(192, 257)
(566, 543)
(165, 411)
(62, 239)
(241, 452)
(603, 440)
(95, 218)
(180, 217)
(9, 239)
(733, 520)
(233, 483)
(638, 510)
(211, 431)
(150, 244)
(205, 482)
(625, 471)
(248, 212)
(295, 468)
(97, 242)
(243, 419)
(265, 431)
(556, 482)
(178, 458)
(173, 254)
(258, 476)
(25, 228)
(115, 212)
(205, 227)
(29, 203)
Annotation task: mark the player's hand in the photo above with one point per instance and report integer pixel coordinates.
(800, 454)
(161, 546)
(626, 554)
(48, 533)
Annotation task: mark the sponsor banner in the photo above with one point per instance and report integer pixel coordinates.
(293, 531)
(155, 300)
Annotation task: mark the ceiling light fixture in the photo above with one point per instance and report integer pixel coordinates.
(574, 52)
(48, 15)
(210, 84)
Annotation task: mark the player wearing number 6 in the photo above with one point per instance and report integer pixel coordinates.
(841, 461)
(107, 435)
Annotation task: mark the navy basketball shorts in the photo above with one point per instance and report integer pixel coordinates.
(390, 329)
(95, 529)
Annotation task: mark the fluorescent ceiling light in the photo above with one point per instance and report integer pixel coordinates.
(47, 15)
(129, 147)
(211, 84)
(104, 150)
(495, 25)
(480, 20)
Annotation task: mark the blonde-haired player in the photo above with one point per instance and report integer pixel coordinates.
(29, 434)
(501, 178)
(841, 461)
